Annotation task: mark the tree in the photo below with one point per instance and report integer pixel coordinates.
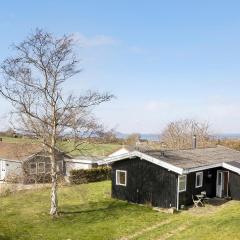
(133, 139)
(179, 134)
(33, 81)
(110, 136)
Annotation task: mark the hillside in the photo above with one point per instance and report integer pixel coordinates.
(93, 149)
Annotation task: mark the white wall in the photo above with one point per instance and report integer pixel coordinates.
(2, 170)
(72, 165)
(10, 168)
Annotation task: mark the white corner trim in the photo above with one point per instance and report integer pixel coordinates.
(177, 193)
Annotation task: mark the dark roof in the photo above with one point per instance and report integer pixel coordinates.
(193, 158)
(234, 164)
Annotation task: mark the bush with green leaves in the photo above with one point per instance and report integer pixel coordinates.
(79, 176)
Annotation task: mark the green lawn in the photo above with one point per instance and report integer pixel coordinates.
(89, 149)
(101, 149)
(88, 212)
(18, 140)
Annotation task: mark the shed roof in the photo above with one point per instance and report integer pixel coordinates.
(234, 164)
(183, 161)
(199, 157)
(18, 151)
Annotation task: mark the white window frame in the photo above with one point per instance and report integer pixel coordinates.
(30, 169)
(185, 187)
(118, 183)
(201, 179)
(43, 167)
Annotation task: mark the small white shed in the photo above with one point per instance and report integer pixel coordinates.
(10, 169)
(80, 163)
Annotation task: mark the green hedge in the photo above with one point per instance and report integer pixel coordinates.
(90, 175)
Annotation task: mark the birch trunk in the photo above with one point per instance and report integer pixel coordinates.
(54, 197)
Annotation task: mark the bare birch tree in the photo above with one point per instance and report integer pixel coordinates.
(33, 81)
(179, 134)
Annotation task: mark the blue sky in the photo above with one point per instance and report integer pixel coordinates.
(164, 60)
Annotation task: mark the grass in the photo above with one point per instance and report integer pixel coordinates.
(100, 149)
(88, 149)
(88, 212)
(18, 140)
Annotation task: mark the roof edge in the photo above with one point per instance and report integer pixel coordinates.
(11, 160)
(231, 168)
(146, 157)
(201, 168)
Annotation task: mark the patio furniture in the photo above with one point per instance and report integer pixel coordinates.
(205, 198)
(204, 193)
(198, 200)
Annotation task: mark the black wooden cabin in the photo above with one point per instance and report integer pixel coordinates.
(171, 178)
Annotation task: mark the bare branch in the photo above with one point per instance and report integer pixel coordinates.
(33, 82)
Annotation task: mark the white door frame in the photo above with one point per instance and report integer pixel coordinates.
(1, 170)
(219, 187)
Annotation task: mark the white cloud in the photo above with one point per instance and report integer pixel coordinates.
(94, 41)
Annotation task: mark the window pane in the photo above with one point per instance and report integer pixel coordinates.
(199, 179)
(121, 178)
(33, 168)
(182, 183)
(41, 167)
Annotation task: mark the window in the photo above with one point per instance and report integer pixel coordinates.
(199, 179)
(182, 183)
(41, 167)
(33, 168)
(121, 177)
(59, 166)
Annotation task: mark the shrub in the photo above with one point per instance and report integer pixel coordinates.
(80, 176)
(41, 178)
(7, 189)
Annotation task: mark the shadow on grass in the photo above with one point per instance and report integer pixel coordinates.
(93, 207)
(217, 201)
(5, 237)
